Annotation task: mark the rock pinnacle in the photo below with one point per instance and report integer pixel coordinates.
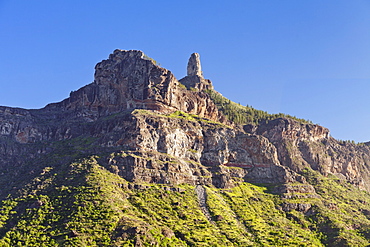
(194, 67)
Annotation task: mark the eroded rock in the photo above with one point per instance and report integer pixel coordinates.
(194, 67)
(159, 131)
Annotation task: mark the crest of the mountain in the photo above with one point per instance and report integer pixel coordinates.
(132, 80)
(138, 157)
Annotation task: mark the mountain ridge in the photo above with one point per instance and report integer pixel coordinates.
(149, 132)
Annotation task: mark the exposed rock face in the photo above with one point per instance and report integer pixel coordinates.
(205, 153)
(307, 145)
(194, 79)
(131, 80)
(194, 67)
(131, 110)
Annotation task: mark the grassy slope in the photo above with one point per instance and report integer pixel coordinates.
(244, 114)
(83, 204)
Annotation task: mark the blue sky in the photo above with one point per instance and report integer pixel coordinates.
(310, 59)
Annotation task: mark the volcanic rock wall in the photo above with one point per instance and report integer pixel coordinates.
(161, 130)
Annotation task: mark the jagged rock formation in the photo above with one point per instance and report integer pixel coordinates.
(194, 67)
(202, 152)
(130, 80)
(194, 79)
(306, 145)
(137, 128)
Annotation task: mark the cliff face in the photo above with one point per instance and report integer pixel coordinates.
(161, 130)
(138, 157)
(131, 80)
(301, 146)
(174, 150)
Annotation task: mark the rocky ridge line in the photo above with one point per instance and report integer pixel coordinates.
(164, 130)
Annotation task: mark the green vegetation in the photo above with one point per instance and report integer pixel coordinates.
(344, 142)
(180, 115)
(342, 214)
(146, 57)
(182, 85)
(84, 204)
(77, 207)
(194, 118)
(58, 193)
(71, 200)
(244, 114)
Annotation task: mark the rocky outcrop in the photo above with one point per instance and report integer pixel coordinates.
(131, 111)
(132, 80)
(126, 81)
(301, 145)
(175, 150)
(157, 129)
(194, 67)
(194, 79)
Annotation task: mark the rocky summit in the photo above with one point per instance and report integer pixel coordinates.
(139, 158)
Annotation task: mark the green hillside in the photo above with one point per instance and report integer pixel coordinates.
(245, 114)
(85, 204)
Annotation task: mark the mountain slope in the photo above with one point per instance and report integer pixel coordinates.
(138, 158)
(85, 204)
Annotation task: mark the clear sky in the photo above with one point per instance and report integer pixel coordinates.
(310, 59)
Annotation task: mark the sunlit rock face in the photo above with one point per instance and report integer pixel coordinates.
(167, 131)
(300, 146)
(194, 67)
(132, 80)
(194, 79)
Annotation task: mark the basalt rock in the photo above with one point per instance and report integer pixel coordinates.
(301, 145)
(194, 79)
(194, 67)
(149, 127)
(132, 80)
